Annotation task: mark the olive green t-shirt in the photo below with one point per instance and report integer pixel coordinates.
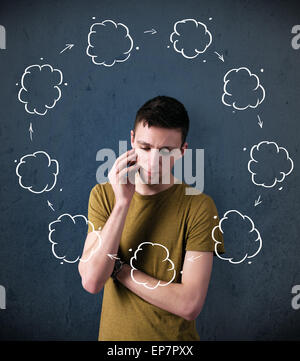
(172, 219)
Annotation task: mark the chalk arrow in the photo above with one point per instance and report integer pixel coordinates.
(112, 256)
(68, 46)
(221, 57)
(152, 31)
(50, 205)
(257, 201)
(30, 131)
(260, 122)
(192, 258)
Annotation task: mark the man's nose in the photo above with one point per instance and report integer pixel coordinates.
(154, 159)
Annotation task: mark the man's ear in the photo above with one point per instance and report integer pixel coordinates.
(132, 137)
(183, 148)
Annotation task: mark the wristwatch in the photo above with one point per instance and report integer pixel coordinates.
(117, 268)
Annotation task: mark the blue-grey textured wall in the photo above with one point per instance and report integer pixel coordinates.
(246, 301)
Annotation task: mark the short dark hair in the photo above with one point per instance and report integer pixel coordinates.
(165, 112)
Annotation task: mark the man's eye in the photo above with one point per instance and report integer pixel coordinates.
(163, 151)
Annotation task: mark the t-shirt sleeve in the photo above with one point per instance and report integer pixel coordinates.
(203, 232)
(98, 211)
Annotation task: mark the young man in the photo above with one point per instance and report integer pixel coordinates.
(155, 290)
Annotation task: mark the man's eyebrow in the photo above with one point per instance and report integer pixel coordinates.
(150, 145)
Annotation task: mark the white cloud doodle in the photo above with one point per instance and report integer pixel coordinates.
(66, 235)
(242, 89)
(190, 38)
(269, 164)
(40, 89)
(109, 43)
(248, 239)
(166, 259)
(37, 172)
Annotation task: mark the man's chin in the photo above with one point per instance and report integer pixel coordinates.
(154, 178)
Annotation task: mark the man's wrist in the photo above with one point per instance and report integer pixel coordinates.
(124, 273)
(122, 203)
(117, 268)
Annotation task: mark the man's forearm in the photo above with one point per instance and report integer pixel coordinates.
(172, 297)
(99, 266)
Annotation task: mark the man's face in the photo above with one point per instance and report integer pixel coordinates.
(157, 150)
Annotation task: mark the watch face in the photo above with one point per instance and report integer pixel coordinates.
(117, 267)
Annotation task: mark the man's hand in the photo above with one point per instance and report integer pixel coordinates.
(122, 177)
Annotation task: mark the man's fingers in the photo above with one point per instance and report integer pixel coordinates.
(121, 163)
(128, 171)
(124, 162)
(125, 155)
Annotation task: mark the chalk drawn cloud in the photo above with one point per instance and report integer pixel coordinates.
(37, 172)
(190, 38)
(40, 89)
(269, 164)
(139, 254)
(67, 233)
(244, 240)
(242, 89)
(109, 43)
